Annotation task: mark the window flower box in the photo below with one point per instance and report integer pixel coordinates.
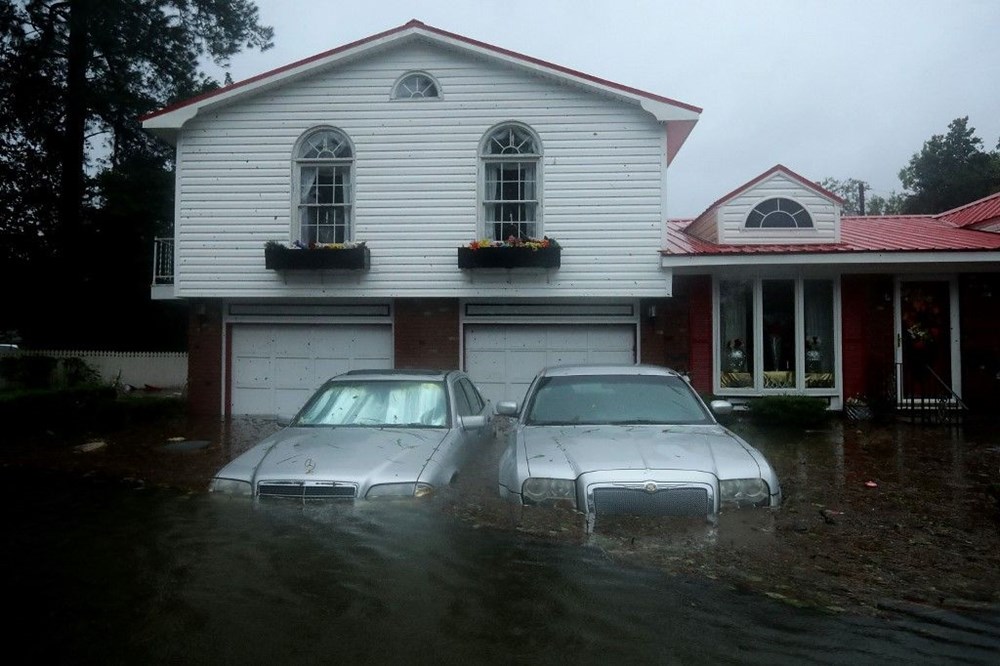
(512, 253)
(317, 257)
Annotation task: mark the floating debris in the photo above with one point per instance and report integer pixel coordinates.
(90, 446)
(830, 516)
(186, 445)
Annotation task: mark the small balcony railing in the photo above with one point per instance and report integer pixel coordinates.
(163, 261)
(926, 398)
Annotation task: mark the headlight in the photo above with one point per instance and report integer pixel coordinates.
(745, 491)
(539, 491)
(387, 490)
(230, 487)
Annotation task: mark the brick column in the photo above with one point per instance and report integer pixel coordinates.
(204, 383)
(699, 289)
(426, 333)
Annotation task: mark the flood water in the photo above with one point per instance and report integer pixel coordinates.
(110, 572)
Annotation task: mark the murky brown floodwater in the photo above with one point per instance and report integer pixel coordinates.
(153, 569)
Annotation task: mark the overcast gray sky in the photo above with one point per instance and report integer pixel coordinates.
(842, 88)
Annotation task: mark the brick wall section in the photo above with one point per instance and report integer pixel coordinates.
(204, 379)
(426, 333)
(867, 334)
(699, 294)
(664, 339)
(853, 301)
(655, 332)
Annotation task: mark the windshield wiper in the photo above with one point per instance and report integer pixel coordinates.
(555, 423)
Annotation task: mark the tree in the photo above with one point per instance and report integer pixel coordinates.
(950, 170)
(850, 191)
(78, 75)
(890, 205)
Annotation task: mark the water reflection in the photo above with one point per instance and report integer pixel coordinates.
(844, 454)
(109, 573)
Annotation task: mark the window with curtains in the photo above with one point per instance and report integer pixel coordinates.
(511, 157)
(323, 169)
(776, 334)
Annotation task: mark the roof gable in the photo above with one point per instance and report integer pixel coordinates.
(770, 173)
(679, 117)
(726, 219)
(982, 213)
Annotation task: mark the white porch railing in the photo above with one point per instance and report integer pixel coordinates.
(163, 261)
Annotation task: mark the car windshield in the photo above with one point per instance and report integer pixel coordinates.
(376, 403)
(615, 399)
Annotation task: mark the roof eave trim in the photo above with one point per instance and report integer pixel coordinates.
(176, 115)
(830, 258)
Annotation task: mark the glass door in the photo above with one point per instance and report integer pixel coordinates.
(926, 330)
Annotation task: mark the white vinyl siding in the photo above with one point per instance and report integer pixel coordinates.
(732, 215)
(706, 226)
(415, 180)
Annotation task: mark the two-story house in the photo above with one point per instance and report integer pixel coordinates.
(399, 159)
(415, 142)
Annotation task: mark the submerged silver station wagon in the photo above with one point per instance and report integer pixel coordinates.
(631, 440)
(367, 435)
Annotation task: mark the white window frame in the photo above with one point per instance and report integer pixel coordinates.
(402, 82)
(299, 163)
(486, 227)
(758, 336)
(796, 228)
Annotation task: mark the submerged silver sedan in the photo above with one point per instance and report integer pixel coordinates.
(631, 440)
(367, 435)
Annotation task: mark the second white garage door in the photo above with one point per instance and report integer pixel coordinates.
(502, 359)
(276, 367)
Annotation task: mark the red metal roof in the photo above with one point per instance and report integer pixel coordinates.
(897, 233)
(981, 211)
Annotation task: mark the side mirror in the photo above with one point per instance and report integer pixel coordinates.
(721, 407)
(284, 421)
(472, 422)
(507, 408)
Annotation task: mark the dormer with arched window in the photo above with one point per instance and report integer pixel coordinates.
(778, 207)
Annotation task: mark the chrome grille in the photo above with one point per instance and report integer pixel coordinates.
(307, 490)
(663, 502)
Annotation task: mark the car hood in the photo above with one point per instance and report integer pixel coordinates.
(568, 451)
(378, 455)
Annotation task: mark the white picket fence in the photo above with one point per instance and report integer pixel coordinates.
(137, 369)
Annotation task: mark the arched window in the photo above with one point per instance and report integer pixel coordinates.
(416, 85)
(511, 155)
(779, 213)
(323, 162)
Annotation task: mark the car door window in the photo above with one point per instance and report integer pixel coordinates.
(475, 400)
(462, 401)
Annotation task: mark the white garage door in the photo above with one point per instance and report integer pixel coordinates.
(276, 367)
(503, 358)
